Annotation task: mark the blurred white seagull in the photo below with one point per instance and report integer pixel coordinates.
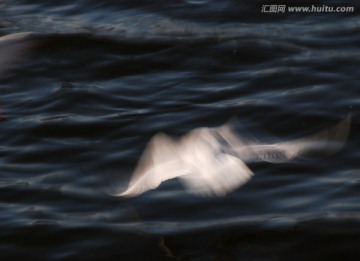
(211, 161)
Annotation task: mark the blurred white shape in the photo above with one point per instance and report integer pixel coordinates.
(211, 161)
(13, 49)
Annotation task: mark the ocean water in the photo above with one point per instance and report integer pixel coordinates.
(102, 77)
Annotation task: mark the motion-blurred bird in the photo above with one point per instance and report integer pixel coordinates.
(211, 161)
(13, 49)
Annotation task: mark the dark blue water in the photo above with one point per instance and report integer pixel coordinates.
(104, 76)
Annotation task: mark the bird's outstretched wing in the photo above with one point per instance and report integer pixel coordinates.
(197, 159)
(159, 162)
(13, 48)
(322, 144)
(212, 171)
(218, 177)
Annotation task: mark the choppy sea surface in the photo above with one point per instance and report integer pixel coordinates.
(104, 76)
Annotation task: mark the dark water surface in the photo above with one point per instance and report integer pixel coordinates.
(104, 76)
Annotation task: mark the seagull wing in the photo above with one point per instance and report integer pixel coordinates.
(324, 143)
(211, 170)
(217, 177)
(159, 162)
